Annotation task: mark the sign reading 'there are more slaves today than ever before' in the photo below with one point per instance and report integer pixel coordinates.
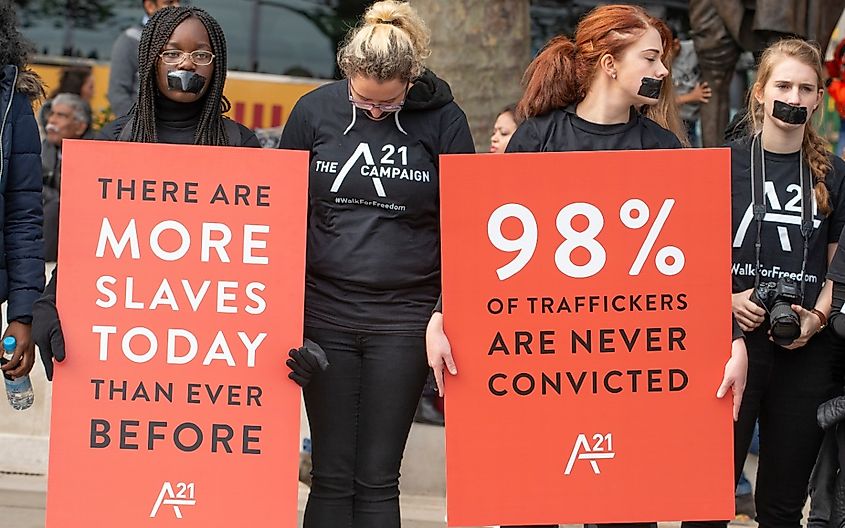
(587, 298)
(181, 290)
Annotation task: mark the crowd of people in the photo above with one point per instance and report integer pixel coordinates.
(373, 321)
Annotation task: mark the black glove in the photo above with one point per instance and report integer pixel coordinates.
(837, 324)
(831, 412)
(47, 329)
(836, 321)
(304, 362)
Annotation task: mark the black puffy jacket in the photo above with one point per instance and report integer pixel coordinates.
(21, 246)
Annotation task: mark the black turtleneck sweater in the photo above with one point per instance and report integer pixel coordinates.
(176, 123)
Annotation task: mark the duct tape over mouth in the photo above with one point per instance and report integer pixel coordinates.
(650, 88)
(185, 81)
(794, 115)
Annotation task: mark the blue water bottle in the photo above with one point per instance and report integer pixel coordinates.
(18, 390)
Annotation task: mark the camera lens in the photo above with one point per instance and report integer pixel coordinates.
(786, 325)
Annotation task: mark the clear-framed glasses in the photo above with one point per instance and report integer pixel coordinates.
(384, 107)
(198, 57)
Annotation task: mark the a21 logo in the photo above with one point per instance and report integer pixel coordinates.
(364, 151)
(183, 495)
(601, 449)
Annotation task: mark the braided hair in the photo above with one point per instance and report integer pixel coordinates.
(210, 129)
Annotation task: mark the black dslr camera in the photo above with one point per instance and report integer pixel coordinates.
(777, 298)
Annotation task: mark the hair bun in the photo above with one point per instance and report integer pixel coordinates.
(391, 42)
(388, 12)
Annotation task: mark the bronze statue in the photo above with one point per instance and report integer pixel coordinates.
(722, 29)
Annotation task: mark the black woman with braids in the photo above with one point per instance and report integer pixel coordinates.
(21, 247)
(182, 70)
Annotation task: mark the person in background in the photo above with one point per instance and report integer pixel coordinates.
(78, 80)
(21, 247)
(69, 118)
(690, 90)
(123, 75)
(504, 127)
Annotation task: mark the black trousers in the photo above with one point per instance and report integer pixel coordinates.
(360, 412)
(784, 389)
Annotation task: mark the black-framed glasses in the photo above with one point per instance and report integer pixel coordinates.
(384, 107)
(198, 57)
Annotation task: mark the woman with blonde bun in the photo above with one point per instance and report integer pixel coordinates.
(373, 257)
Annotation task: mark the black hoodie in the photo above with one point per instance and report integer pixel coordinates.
(373, 257)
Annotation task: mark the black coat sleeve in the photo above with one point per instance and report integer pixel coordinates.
(248, 137)
(439, 306)
(736, 332)
(456, 137)
(526, 138)
(23, 214)
(299, 129)
(835, 182)
(123, 74)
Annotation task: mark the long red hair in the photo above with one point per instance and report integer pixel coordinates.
(561, 74)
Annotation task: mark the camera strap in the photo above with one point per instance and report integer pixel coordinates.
(758, 199)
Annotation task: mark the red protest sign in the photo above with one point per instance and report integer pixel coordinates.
(180, 292)
(587, 300)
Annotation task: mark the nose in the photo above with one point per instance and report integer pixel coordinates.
(187, 63)
(792, 97)
(376, 112)
(662, 71)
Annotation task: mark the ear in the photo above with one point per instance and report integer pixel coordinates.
(608, 65)
(758, 93)
(819, 97)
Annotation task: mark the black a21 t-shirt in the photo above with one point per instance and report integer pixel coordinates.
(781, 252)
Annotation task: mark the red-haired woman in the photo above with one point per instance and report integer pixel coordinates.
(608, 89)
(585, 94)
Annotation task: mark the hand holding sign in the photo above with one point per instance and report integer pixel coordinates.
(47, 328)
(590, 325)
(439, 351)
(182, 288)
